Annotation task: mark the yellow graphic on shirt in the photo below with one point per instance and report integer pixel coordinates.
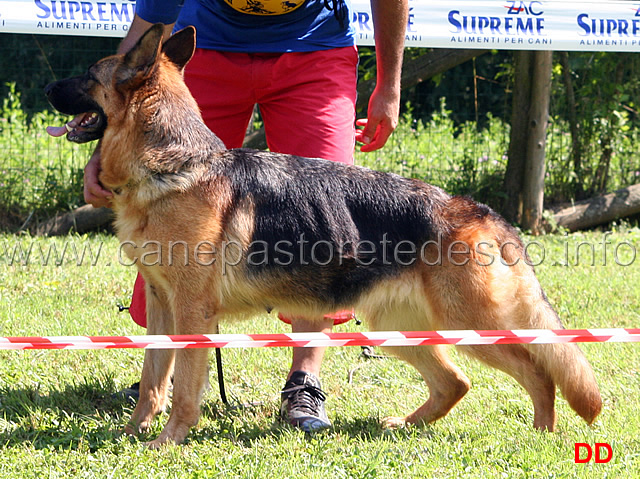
(265, 7)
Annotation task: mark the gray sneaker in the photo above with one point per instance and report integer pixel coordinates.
(130, 394)
(303, 402)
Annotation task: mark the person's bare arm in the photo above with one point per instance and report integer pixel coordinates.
(390, 23)
(136, 29)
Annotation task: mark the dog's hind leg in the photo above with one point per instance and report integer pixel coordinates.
(515, 360)
(157, 367)
(447, 383)
(404, 308)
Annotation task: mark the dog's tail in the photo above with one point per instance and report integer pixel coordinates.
(568, 367)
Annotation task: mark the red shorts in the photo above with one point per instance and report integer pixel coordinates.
(307, 102)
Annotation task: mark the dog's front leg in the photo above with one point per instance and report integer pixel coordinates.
(157, 367)
(189, 385)
(190, 378)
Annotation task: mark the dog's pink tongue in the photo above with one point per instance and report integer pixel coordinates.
(57, 130)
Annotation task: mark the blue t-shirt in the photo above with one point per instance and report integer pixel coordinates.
(255, 26)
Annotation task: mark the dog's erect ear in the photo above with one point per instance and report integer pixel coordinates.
(180, 46)
(139, 61)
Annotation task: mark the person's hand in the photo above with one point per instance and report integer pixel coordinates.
(94, 193)
(382, 119)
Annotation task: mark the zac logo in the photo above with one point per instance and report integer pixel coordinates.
(529, 8)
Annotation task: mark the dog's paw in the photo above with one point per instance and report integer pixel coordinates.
(130, 430)
(159, 442)
(393, 422)
(169, 437)
(133, 430)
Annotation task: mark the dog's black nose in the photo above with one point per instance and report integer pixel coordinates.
(49, 88)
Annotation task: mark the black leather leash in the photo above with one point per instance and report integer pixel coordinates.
(223, 393)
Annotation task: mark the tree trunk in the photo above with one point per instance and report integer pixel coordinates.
(81, 220)
(602, 209)
(602, 173)
(517, 155)
(533, 189)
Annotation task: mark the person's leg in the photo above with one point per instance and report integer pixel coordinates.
(310, 359)
(221, 84)
(309, 110)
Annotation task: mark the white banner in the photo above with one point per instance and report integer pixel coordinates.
(67, 17)
(492, 24)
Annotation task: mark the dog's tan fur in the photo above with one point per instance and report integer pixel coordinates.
(166, 202)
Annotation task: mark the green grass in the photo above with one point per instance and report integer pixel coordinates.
(58, 418)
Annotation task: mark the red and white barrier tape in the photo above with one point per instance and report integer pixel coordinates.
(309, 340)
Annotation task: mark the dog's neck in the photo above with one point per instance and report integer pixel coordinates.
(171, 156)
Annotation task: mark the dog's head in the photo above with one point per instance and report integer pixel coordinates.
(106, 90)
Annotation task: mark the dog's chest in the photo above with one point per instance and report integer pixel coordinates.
(131, 231)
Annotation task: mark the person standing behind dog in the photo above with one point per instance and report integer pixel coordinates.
(297, 60)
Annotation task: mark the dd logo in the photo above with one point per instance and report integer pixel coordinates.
(599, 446)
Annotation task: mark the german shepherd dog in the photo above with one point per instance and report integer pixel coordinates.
(237, 232)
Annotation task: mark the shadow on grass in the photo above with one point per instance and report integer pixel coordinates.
(81, 415)
(247, 426)
(86, 416)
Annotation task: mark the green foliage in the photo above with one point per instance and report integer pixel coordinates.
(598, 174)
(474, 90)
(603, 156)
(33, 61)
(459, 158)
(59, 420)
(38, 174)
(466, 160)
(454, 132)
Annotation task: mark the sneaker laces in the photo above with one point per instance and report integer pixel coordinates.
(305, 397)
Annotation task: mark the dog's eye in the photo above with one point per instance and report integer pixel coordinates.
(92, 77)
